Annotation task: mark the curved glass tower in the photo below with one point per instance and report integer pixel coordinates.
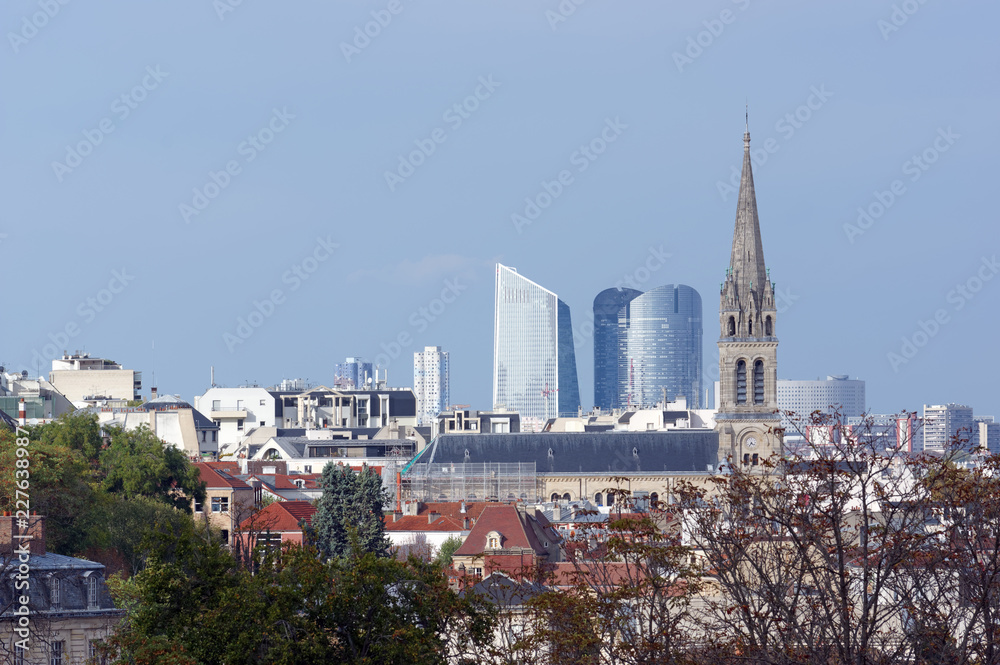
(611, 314)
(664, 341)
(534, 362)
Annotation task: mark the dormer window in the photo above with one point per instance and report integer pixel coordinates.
(55, 590)
(494, 539)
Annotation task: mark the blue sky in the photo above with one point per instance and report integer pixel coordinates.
(169, 169)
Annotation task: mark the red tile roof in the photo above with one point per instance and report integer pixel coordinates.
(217, 479)
(451, 517)
(282, 516)
(232, 468)
(513, 527)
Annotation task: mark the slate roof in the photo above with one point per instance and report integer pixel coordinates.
(170, 403)
(584, 452)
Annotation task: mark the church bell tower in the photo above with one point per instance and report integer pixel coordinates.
(747, 418)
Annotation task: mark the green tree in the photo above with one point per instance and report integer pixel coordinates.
(137, 463)
(350, 503)
(78, 431)
(54, 477)
(447, 549)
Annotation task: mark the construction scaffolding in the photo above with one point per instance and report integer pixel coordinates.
(480, 481)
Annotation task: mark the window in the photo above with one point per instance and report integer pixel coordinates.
(750, 327)
(239, 424)
(220, 504)
(732, 326)
(224, 533)
(262, 402)
(214, 434)
(216, 405)
(20, 655)
(56, 651)
(755, 460)
(758, 382)
(239, 405)
(741, 382)
(92, 591)
(93, 653)
(654, 500)
(768, 327)
(308, 468)
(554, 497)
(197, 506)
(599, 499)
(566, 496)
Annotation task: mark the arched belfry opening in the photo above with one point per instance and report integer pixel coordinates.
(758, 382)
(741, 381)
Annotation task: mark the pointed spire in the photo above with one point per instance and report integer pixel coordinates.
(747, 261)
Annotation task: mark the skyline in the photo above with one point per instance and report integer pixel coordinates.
(873, 150)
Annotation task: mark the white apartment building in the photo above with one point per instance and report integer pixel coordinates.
(804, 397)
(239, 410)
(944, 422)
(82, 378)
(430, 383)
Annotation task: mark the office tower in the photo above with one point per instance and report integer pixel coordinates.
(430, 383)
(534, 362)
(804, 397)
(664, 343)
(352, 373)
(988, 434)
(943, 423)
(611, 314)
(748, 347)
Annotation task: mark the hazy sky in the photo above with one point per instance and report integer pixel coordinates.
(171, 168)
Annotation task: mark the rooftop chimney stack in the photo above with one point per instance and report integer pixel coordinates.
(22, 415)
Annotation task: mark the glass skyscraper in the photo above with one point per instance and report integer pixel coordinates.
(664, 345)
(647, 346)
(611, 313)
(534, 362)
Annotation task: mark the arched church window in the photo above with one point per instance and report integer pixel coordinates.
(758, 382)
(732, 326)
(750, 326)
(768, 327)
(599, 499)
(741, 382)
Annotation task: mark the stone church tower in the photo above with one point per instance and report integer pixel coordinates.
(748, 362)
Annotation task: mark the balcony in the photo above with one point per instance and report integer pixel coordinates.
(228, 414)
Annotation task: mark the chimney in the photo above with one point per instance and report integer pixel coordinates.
(13, 535)
(465, 524)
(397, 515)
(462, 508)
(431, 516)
(22, 415)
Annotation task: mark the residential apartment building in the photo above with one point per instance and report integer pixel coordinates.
(431, 383)
(353, 373)
(946, 425)
(804, 397)
(70, 607)
(228, 499)
(80, 378)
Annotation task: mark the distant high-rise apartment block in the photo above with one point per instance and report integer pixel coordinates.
(947, 424)
(987, 434)
(804, 397)
(80, 378)
(352, 373)
(664, 343)
(611, 314)
(430, 383)
(534, 361)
